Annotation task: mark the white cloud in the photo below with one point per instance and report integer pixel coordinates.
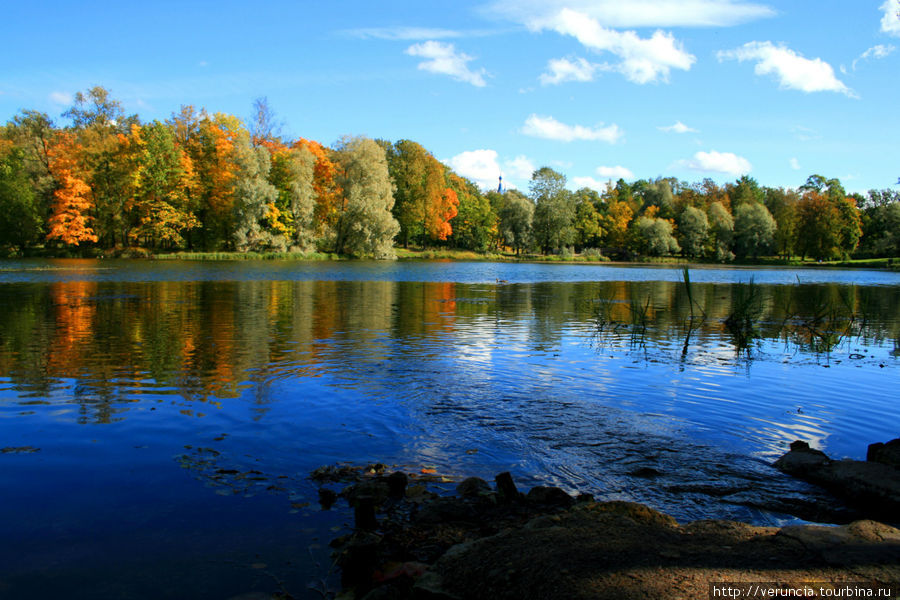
(717, 162)
(639, 13)
(403, 33)
(805, 134)
(678, 127)
(617, 172)
(792, 70)
(563, 69)
(481, 166)
(890, 22)
(795, 164)
(877, 52)
(520, 167)
(551, 129)
(444, 59)
(642, 60)
(63, 98)
(588, 182)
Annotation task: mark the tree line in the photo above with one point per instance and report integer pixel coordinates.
(208, 182)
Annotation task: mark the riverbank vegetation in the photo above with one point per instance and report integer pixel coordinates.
(202, 185)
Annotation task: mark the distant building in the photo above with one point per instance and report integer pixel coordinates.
(500, 186)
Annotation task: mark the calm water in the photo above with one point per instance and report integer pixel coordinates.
(159, 420)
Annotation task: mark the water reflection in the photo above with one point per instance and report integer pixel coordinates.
(107, 343)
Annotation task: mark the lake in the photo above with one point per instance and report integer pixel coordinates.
(159, 420)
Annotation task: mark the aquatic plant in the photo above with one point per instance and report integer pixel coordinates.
(746, 309)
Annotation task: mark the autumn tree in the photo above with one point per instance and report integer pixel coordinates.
(365, 225)
(163, 181)
(101, 128)
(475, 223)
(70, 219)
(328, 194)
(216, 166)
(292, 173)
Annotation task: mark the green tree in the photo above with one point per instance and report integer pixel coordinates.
(652, 236)
(721, 229)
(693, 229)
(516, 217)
(20, 224)
(33, 132)
(588, 220)
(254, 200)
(554, 211)
(745, 190)
(782, 205)
(365, 225)
(754, 230)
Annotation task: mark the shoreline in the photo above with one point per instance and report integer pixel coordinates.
(496, 542)
(403, 255)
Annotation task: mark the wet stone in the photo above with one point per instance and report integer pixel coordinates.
(549, 496)
(473, 487)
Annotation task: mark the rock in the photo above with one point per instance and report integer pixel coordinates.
(801, 460)
(549, 496)
(358, 557)
(384, 592)
(376, 489)
(397, 482)
(888, 454)
(364, 513)
(473, 487)
(506, 487)
(634, 511)
(872, 487)
(430, 587)
(327, 498)
(445, 510)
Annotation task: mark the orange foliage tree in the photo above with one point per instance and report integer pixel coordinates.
(70, 219)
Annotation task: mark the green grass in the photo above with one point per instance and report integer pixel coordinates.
(244, 256)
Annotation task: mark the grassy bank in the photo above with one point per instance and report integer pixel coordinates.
(447, 254)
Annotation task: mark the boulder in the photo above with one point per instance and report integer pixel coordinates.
(549, 496)
(888, 454)
(872, 487)
(473, 487)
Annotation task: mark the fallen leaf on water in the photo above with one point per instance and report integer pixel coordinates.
(428, 471)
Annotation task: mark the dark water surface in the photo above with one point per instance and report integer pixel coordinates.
(159, 420)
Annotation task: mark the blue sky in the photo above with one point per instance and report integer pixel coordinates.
(596, 89)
